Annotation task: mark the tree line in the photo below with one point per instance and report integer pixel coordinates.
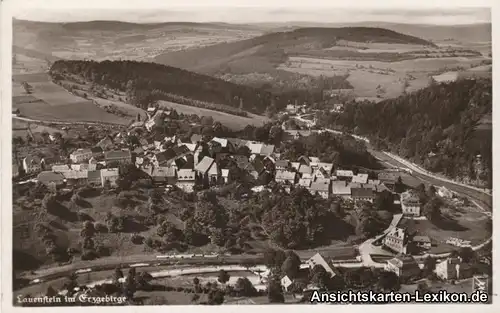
(437, 127)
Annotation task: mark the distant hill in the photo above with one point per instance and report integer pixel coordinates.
(461, 32)
(103, 25)
(263, 53)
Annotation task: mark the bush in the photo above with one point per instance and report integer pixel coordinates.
(137, 239)
(89, 255)
(100, 228)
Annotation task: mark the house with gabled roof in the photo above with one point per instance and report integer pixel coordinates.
(321, 173)
(196, 139)
(306, 183)
(186, 180)
(318, 259)
(94, 178)
(360, 178)
(109, 175)
(282, 165)
(31, 164)
(225, 175)
(321, 189)
(119, 156)
(340, 189)
(403, 266)
(453, 268)
(304, 160)
(305, 169)
(396, 240)
(80, 155)
(286, 177)
(362, 194)
(344, 174)
(163, 158)
(388, 178)
(106, 143)
(163, 176)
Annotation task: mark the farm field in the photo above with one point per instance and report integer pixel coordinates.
(20, 128)
(234, 122)
(366, 76)
(55, 103)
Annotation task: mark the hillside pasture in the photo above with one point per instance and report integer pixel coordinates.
(51, 102)
(234, 122)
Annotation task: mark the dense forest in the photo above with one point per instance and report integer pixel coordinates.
(438, 127)
(145, 82)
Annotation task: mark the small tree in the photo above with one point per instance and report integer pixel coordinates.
(223, 277)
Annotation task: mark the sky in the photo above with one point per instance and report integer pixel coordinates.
(261, 14)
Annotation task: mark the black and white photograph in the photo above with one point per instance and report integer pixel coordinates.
(249, 155)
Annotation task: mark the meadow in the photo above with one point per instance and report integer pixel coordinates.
(51, 102)
(232, 121)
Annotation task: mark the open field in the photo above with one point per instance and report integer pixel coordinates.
(55, 103)
(234, 122)
(461, 223)
(366, 76)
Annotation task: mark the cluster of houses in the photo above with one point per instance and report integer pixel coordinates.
(322, 179)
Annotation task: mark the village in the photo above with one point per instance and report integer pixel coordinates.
(205, 162)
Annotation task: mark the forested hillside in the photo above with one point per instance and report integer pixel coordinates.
(144, 82)
(439, 127)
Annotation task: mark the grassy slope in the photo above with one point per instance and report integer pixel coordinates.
(56, 103)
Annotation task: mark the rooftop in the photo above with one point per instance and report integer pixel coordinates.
(117, 154)
(285, 175)
(204, 165)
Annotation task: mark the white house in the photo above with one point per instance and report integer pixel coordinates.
(31, 164)
(80, 155)
(186, 179)
(453, 268)
(410, 203)
(445, 192)
(109, 175)
(286, 282)
(396, 240)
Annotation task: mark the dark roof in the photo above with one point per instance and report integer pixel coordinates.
(282, 163)
(196, 138)
(96, 150)
(258, 165)
(241, 160)
(305, 159)
(92, 175)
(117, 154)
(237, 142)
(165, 155)
(181, 149)
(361, 192)
(50, 177)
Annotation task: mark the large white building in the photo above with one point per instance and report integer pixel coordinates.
(410, 203)
(81, 155)
(396, 240)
